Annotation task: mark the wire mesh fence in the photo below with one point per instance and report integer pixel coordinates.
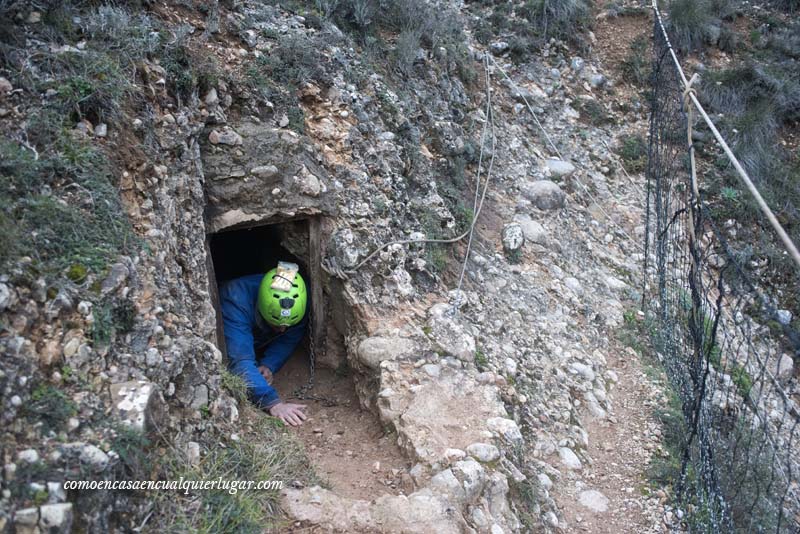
(716, 327)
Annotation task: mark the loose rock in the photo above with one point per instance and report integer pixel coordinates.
(569, 459)
(594, 500)
(544, 194)
(560, 168)
(513, 237)
(483, 452)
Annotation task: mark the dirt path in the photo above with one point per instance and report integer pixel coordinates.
(347, 445)
(612, 494)
(620, 448)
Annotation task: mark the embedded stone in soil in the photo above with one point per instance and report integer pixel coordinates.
(347, 445)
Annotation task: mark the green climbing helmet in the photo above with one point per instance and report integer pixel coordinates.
(282, 308)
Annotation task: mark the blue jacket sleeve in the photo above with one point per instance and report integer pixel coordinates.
(279, 350)
(239, 343)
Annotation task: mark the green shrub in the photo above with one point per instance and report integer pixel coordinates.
(742, 380)
(728, 40)
(783, 42)
(51, 406)
(787, 5)
(481, 361)
(666, 470)
(636, 65)
(269, 454)
(556, 18)
(749, 479)
(756, 99)
(132, 447)
(514, 257)
(618, 8)
(90, 85)
(296, 60)
(722, 9)
(59, 189)
(525, 495)
(500, 17)
(235, 385)
(405, 52)
(326, 7)
(189, 73)
(483, 34)
(436, 255)
(691, 23)
(711, 349)
(124, 315)
(112, 318)
(103, 326)
(77, 273)
(633, 151)
(520, 47)
(594, 112)
(129, 34)
(85, 230)
(27, 473)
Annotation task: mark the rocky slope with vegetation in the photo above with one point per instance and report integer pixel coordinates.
(131, 131)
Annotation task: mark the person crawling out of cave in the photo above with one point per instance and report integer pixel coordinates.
(264, 318)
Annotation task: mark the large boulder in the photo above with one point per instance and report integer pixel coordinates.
(422, 511)
(137, 403)
(373, 350)
(544, 194)
(56, 518)
(593, 500)
(533, 231)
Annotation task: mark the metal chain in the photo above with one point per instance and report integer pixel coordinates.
(304, 391)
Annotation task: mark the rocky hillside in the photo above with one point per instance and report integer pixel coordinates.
(131, 133)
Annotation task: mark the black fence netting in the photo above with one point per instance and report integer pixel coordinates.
(726, 343)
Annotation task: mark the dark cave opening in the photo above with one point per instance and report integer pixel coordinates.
(249, 251)
(255, 250)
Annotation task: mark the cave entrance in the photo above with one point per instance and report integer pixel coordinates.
(258, 248)
(345, 442)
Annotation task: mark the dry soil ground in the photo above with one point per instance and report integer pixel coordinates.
(348, 446)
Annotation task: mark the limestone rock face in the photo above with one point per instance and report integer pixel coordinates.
(785, 367)
(450, 334)
(430, 423)
(271, 173)
(26, 521)
(376, 163)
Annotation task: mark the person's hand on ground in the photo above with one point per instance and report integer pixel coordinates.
(266, 373)
(289, 413)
